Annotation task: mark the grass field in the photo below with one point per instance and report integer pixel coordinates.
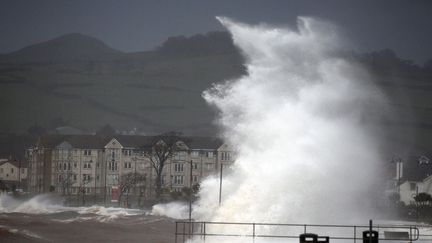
(161, 95)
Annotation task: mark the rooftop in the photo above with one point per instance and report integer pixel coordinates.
(127, 141)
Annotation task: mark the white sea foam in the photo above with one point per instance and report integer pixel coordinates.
(49, 204)
(307, 151)
(298, 119)
(108, 214)
(40, 204)
(175, 210)
(22, 232)
(31, 234)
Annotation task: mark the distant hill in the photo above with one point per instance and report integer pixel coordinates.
(84, 83)
(212, 43)
(80, 80)
(67, 48)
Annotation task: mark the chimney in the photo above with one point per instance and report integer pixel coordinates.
(399, 170)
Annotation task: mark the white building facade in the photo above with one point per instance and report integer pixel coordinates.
(95, 166)
(13, 174)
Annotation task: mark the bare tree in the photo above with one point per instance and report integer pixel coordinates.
(423, 199)
(66, 181)
(82, 188)
(127, 182)
(159, 153)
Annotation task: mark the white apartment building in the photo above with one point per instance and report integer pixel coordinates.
(412, 177)
(13, 173)
(94, 165)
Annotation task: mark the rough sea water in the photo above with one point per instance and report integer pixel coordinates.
(44, 219)
(302, 122)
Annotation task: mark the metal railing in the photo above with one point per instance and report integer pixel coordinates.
(185, 230)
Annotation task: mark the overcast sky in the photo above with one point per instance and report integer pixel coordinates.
(132, 25)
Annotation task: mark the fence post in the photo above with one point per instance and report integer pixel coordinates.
(204, 230)
(201, 230)
(175, 234)
(355, 234)
(410, 235)
(253, 231)
(184, 231)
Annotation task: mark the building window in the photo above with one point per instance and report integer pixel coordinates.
(195, 178)
(87, 152)
(75, 177)
(86, 177)
(210, 154)
(178, 180)
(112, 166)
(195, 153)
(127, 152)
(178, 167)
(210, 166)
(225, 156)
(12, 170)
(180, 155)
(112, 154)
(413, 186)
(195, 166)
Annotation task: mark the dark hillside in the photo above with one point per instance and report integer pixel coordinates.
(153, 91)
(68, 48)
(212, 43)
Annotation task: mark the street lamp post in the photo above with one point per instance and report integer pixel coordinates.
(417, 204)
(220, 184)
(93, 166)
(105, 179)
(190, 193)
(399, 171)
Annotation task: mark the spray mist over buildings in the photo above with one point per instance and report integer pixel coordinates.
(299, 122)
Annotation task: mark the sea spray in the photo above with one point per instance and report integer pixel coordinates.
(300, 121)
(52, 204)
(175, 210)
(39, 204)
